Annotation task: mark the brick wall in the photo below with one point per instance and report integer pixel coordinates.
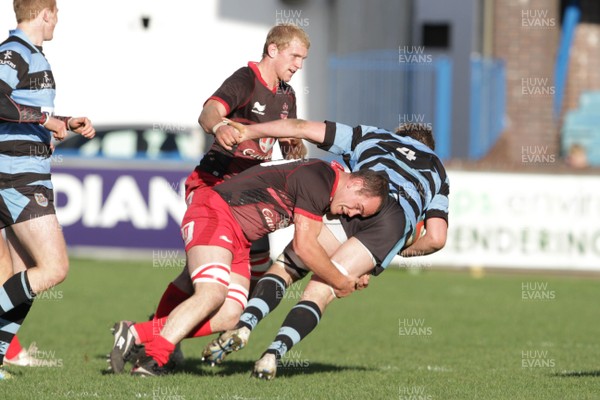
(526, 36)
(584, 64)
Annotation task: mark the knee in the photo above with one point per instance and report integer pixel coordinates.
(211, 284)
(211, 294)
(51, 276)
(231, 311)
(230, 317)
(220, 296)
(59, 273)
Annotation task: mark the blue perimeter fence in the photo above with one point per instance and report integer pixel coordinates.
(377, 88)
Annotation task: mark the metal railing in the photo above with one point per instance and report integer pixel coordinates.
(488, 99)
(386, 88)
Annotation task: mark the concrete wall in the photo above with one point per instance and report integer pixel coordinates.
(113, 70)
(463, 17)
(359, 25)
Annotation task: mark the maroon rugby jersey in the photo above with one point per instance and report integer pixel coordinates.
(248, 100)
(266, 197)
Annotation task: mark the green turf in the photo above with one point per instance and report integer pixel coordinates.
(433, 335)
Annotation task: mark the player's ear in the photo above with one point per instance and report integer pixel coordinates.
(46, 14)
(272, 50)
(356, 183)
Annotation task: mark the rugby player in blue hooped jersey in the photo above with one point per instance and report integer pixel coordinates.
(27, 125)
(419, 189)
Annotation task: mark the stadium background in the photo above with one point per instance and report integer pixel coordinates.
(511, 89)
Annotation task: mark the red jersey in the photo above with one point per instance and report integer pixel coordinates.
(248, 100)
(266, 198)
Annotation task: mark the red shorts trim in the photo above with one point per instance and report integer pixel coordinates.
(208, 222)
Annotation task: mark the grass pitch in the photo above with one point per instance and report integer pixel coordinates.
(432, 335)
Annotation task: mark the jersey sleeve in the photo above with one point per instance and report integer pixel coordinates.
(338, 138)
(235, 91)
(10, 69)
(313, 186)
(342, 139)
(438, 208)
(14, 69)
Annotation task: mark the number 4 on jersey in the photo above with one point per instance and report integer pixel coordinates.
(408, 153)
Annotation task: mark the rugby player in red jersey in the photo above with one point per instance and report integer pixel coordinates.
(219, 226)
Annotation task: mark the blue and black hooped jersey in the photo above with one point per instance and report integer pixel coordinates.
(25, 79)
(418, 179)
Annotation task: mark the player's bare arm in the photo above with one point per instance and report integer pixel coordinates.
(434, 239)
(211, 120)
(307, 247)
(212, 113)
(284, 128)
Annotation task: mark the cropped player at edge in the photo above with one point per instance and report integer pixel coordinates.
(27, 125)
(419, 189)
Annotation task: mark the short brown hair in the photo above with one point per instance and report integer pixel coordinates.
(281, 35)
(375, 184)
(420, 132)
(26, 10)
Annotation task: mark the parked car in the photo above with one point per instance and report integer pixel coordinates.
(138, 142)
(122, 191)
